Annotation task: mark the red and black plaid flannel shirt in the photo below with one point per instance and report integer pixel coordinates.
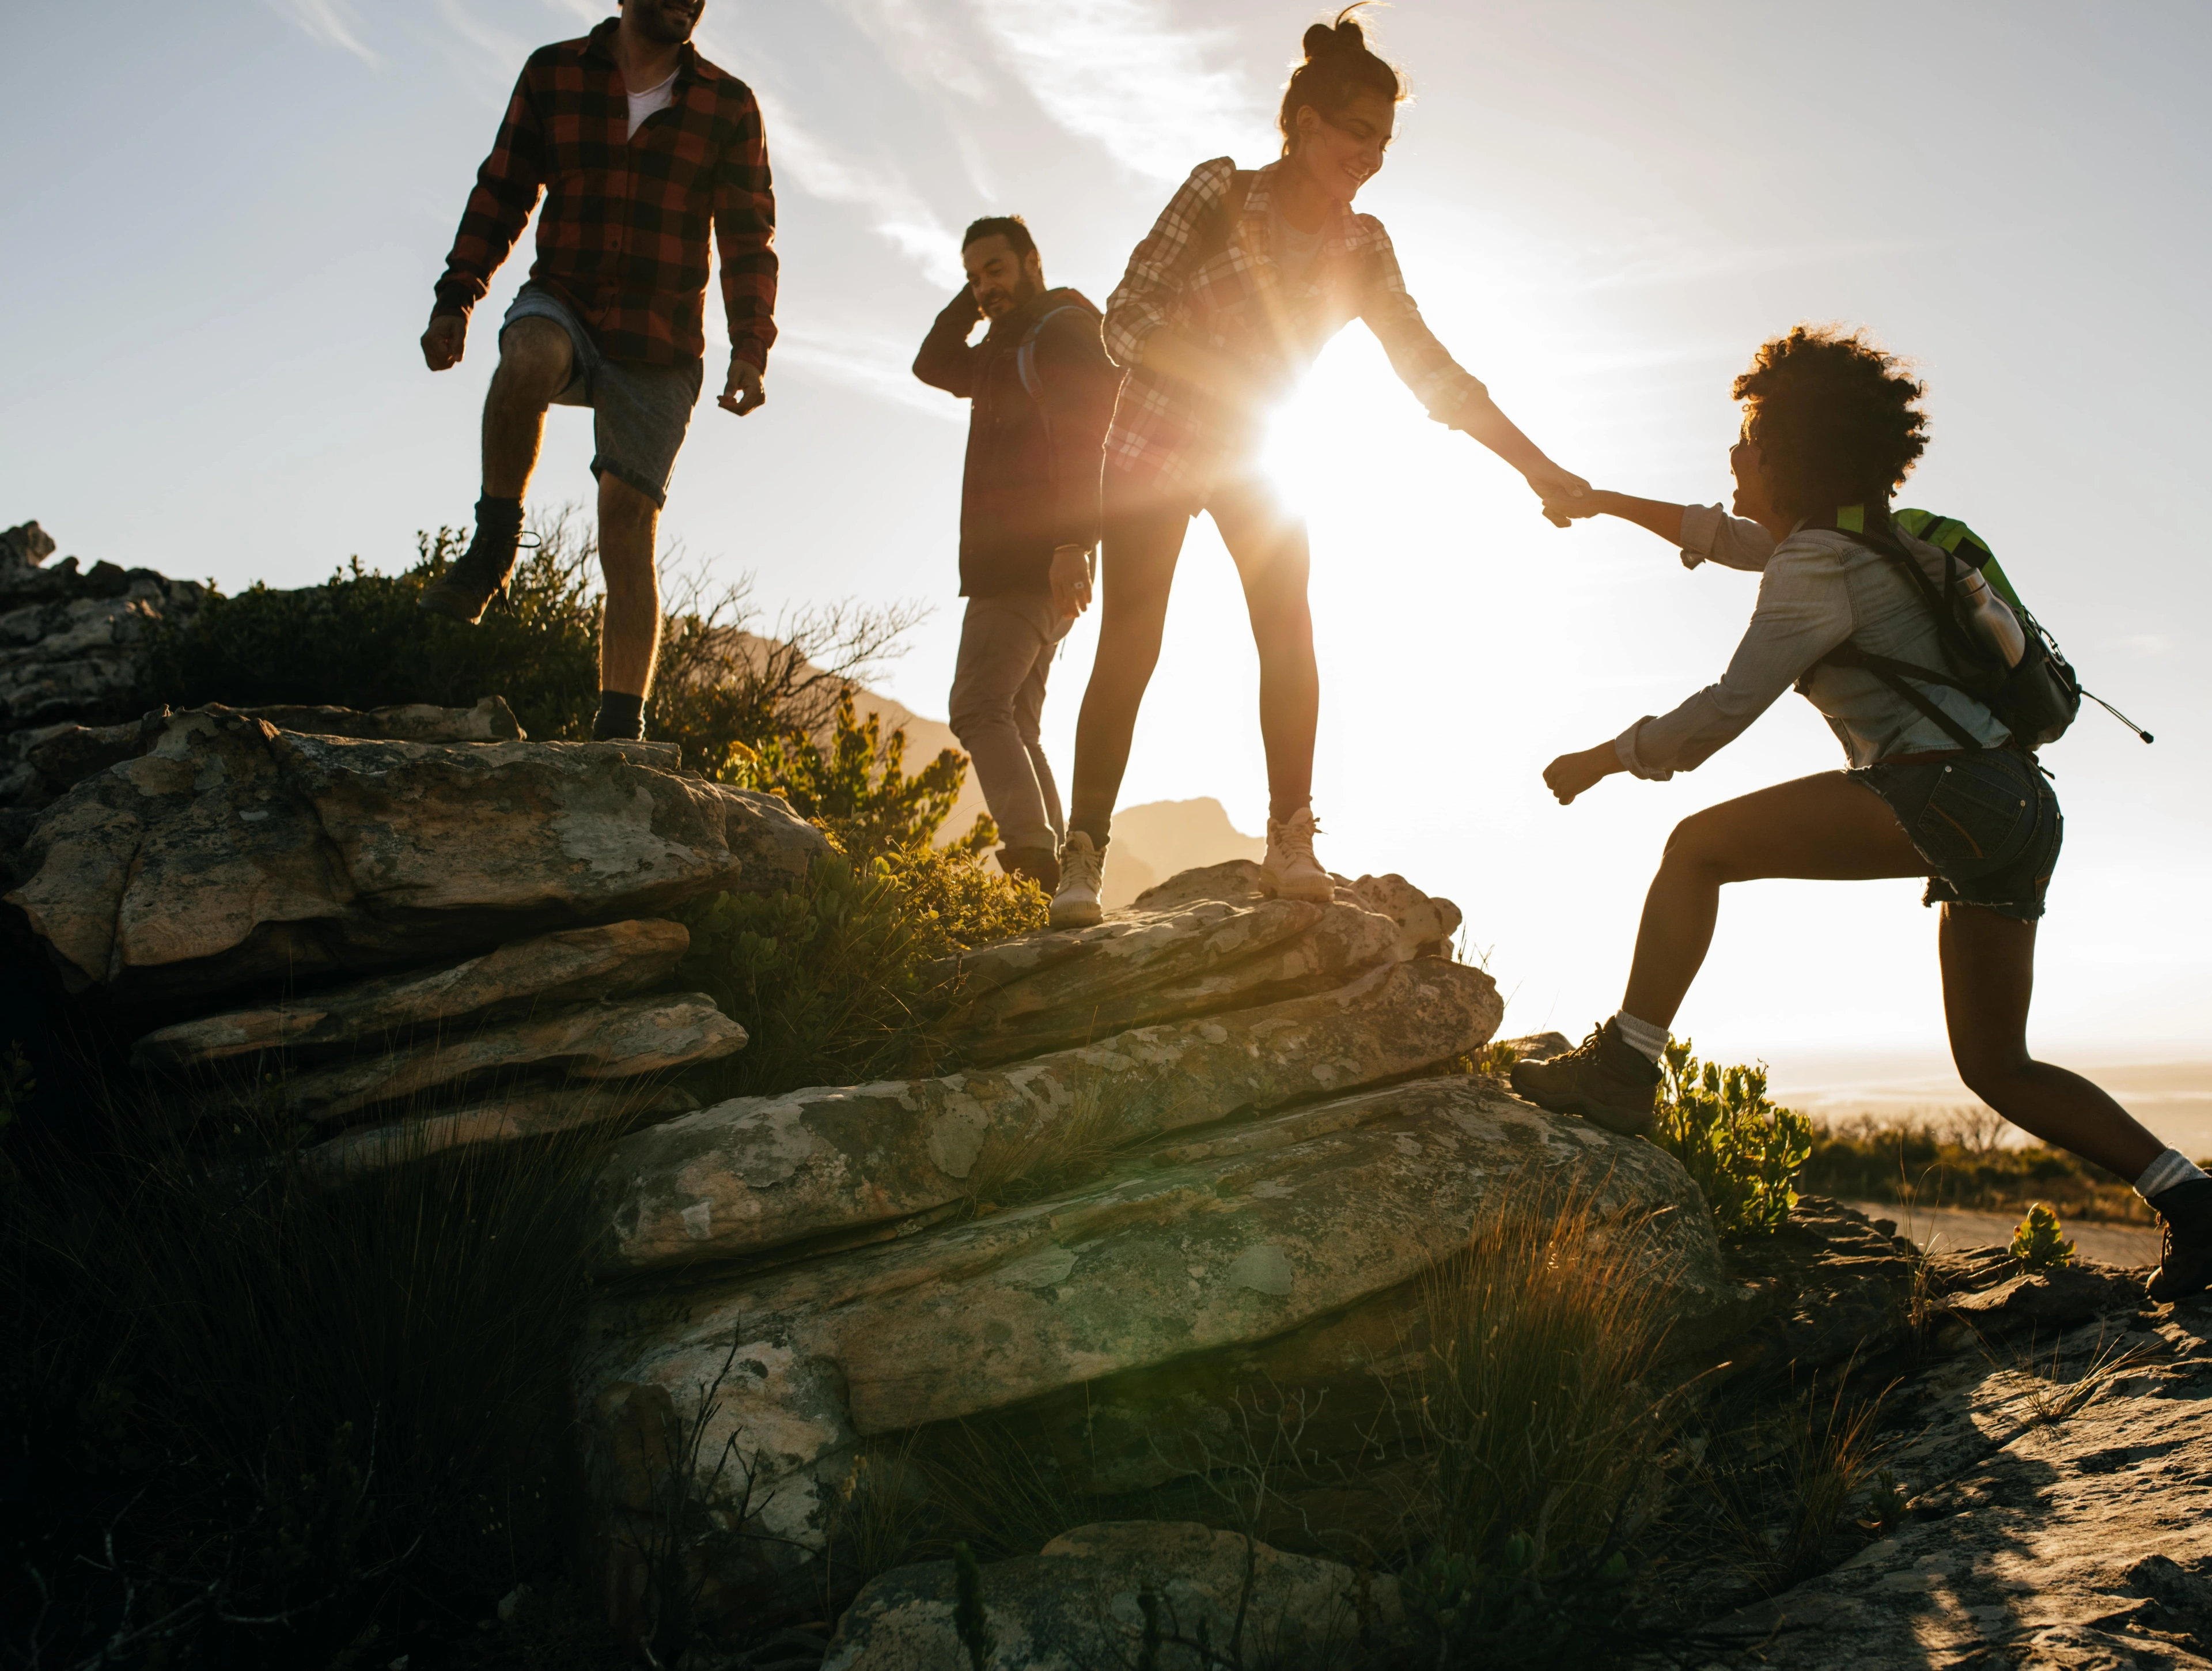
(1204, 270)
(623, 240)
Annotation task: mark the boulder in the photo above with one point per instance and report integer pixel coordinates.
(1081, 1603)
(621, 1039)
(1191, 1246)
(231, 853)
(517, 1117)
(1207, 940)
(563, 967)
(72, 645)
(757, 1172)
(2047, 1299)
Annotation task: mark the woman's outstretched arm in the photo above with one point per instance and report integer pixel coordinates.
(1701, 533)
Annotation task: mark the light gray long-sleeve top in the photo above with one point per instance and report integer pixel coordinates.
(1816, 588)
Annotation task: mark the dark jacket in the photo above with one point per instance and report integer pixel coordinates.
(1031, 479)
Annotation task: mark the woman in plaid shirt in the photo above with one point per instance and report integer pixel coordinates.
(1242, 279)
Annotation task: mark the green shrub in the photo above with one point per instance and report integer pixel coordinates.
(2039, 1243)
(858, 789)
(1741, 1149)
(358, 641)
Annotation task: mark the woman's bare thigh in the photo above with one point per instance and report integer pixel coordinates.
(1825, 828)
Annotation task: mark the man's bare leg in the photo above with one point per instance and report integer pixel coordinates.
(535, 361)
(629, 624)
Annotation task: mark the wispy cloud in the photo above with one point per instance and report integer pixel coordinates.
(332, 22)
(863, 360)
(897, 211)
(921, 45)
(1116, 71)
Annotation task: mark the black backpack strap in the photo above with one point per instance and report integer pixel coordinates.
(1213, 237)
(1895, 674)
(1025, 355)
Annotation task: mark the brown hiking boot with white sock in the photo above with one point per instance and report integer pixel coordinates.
(1291, 864)
(1605, 1079)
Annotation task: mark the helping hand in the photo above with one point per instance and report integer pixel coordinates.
(1071, 581)
(443, 341)
(742, 392)
(1571, 774)
(1565, 495)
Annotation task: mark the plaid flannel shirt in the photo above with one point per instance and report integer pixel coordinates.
(1226, 292)
(622, 239)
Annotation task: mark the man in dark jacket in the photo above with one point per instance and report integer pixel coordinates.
(1042, 392)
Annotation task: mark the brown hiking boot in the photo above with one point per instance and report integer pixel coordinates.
(1039, 864)
(472, 581)
(1605, 1079)
(2184, 1263)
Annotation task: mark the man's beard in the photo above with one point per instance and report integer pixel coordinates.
(1023, 290)
(659, 28)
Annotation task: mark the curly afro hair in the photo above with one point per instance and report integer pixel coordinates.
(1833, 419)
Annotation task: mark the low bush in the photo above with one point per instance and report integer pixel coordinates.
(1742, 1150)
(723, 691)
(2040, 1243)
(1956, 1161)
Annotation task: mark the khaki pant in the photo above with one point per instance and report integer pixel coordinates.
(1006, 646)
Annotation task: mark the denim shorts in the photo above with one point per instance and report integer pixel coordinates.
(638, 412)
(1988, 825)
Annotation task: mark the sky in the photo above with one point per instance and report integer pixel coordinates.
(224, 221)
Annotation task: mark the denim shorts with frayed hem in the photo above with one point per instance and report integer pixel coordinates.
(638, 412)
(1988, 823)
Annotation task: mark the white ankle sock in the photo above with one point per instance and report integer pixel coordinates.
(2163, 1173)
(1650, 1040)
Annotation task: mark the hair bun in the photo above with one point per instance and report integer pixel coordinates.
(1346, 36)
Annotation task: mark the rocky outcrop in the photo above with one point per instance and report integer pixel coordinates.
(752, 1174)
(73, 645)
(2061, 1493)
(1083, 1601)
(1207, 941)
(231, 853)
(1187, 1248)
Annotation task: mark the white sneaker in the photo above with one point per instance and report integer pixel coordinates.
(1291, 864)
(1082, 874)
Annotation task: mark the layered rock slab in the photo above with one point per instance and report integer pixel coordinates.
(521, 1115)
(1075, 1606)
(611, 961)
(626, 1038)
(1207, 940)
(231, 853)
(1236, 1236)
(757, 1172)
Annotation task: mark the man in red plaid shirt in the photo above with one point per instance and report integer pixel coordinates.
(640, 146)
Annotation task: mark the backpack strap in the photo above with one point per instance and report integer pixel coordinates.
(1895, 674)
(1220, 224)
(1025, 355)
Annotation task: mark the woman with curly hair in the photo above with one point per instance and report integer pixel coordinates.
(1937, 785)
(1241, 282)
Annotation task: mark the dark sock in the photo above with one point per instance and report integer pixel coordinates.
(501, 519)
(622, 718)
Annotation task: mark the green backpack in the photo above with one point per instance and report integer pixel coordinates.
(2036, 698)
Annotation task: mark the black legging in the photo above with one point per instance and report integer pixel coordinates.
(1137, 563)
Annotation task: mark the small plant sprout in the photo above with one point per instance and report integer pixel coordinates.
(2039, 1243)
(968, 1617)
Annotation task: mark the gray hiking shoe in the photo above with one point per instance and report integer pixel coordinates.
(1605, 1079)
(2184, 1263)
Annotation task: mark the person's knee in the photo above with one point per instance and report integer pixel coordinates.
(978, 715)
(535, 359)
(1694, 844)
(1992, 1071)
